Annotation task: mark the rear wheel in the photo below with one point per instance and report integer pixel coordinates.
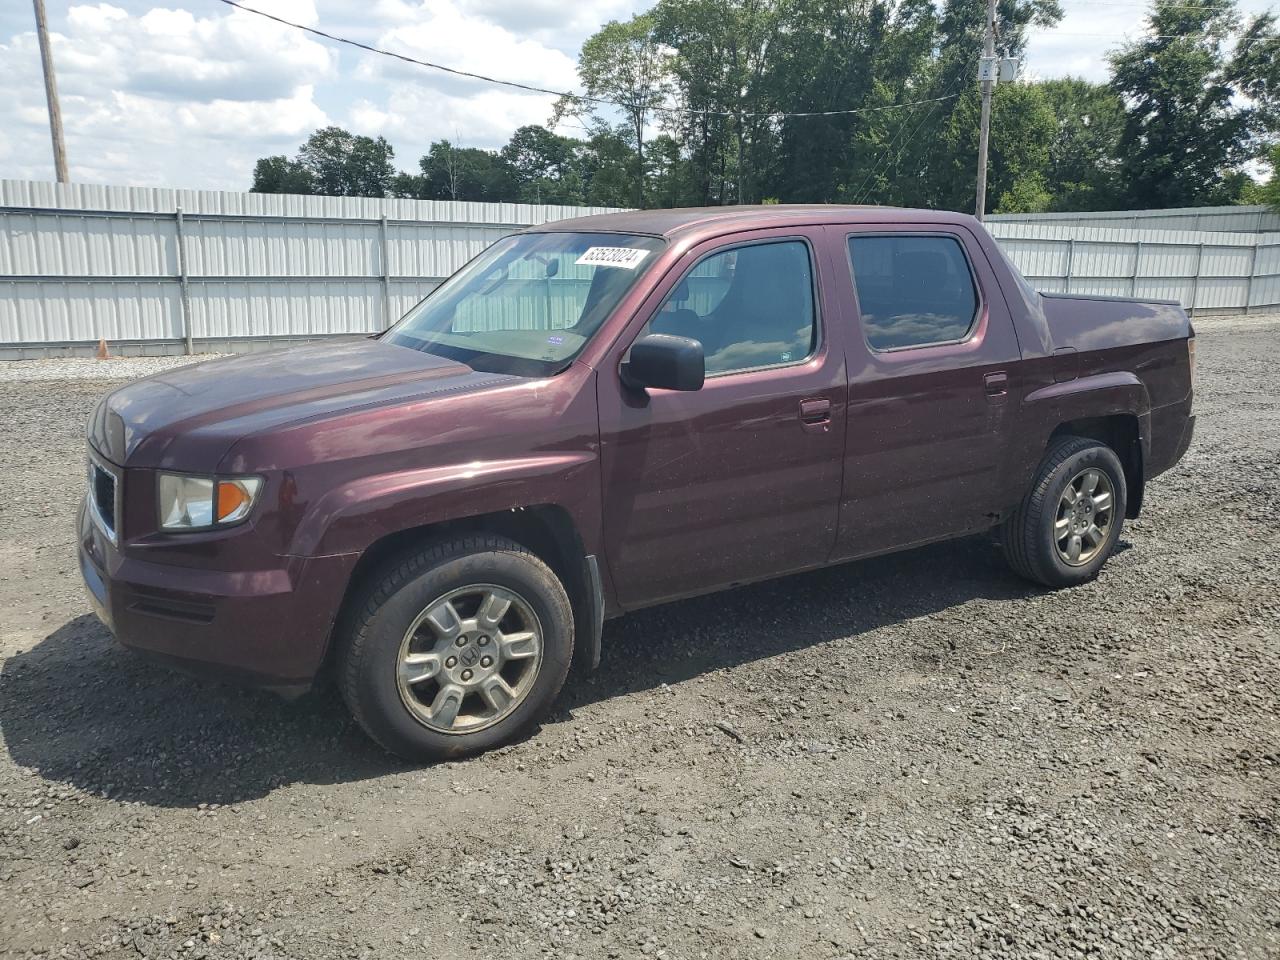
(456, 649)
(1070, 521)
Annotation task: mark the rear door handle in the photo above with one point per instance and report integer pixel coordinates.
(815, 413)
(996, 385)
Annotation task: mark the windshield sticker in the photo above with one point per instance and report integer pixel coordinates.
(624, 257)
(556, 340)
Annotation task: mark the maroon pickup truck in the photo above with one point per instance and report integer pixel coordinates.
(601, 414)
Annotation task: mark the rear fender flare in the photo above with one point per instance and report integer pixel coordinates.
(1097, 395)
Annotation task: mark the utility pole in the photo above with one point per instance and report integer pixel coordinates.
(984, 130)
(51, 94)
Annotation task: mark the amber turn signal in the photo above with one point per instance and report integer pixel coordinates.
(235, 497)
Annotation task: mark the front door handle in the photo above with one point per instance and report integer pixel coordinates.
(815, 414)
(996, 384)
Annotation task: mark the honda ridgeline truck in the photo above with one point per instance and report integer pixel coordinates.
(601, 414)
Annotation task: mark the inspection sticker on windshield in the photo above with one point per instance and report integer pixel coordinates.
(624, 257)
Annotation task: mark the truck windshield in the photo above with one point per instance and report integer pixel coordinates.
(528, 304)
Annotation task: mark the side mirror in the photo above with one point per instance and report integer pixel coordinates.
(666, 362)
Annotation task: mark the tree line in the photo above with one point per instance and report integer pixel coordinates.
(707, 102)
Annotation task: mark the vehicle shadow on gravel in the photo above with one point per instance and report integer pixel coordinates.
(78, 709)
(678, 641)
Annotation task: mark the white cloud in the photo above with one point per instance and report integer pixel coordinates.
(175, 55)
(553, 22)
(166, 97)
(441, 32)
(413, 106)
(190, 93)
(411, 118)
(1079, 45)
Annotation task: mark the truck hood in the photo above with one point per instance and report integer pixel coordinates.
(188, 418)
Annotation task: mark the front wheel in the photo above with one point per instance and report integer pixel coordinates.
(1069, 523)
(459, 648)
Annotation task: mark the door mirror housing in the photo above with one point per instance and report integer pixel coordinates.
(665, 362)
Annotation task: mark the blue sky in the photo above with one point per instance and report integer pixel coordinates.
(189, 93)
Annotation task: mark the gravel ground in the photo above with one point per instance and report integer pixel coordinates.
(89, 368)
(919, 756)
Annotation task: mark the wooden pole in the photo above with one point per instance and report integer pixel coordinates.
(51, 95)
(984, 129)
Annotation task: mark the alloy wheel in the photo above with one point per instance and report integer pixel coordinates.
(469, 659)
(1085, 513)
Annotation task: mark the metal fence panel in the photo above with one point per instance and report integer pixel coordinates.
(1181, 260)
(1227, 261)
(80, 262)
(40, 243)
(85, 310)
(285, 307)
(1265, 293)
(436, 251)
(280, 248)
(1164, 288)
(1221, 293)
(1234, 219)
(1097, 260)
(1223, 272)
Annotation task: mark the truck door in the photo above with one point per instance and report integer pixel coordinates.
(740, 480)
(933, 384)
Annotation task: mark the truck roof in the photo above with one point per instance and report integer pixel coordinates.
(684, 220)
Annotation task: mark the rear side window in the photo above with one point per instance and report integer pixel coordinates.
(912, 290)
(748, 306)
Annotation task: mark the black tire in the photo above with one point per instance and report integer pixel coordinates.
(394, 597)
(1028, 536)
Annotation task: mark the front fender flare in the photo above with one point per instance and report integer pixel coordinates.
(350, 517)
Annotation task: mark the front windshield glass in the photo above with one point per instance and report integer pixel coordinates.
(529, 303)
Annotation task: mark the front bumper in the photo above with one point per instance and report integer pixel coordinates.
(269, 627)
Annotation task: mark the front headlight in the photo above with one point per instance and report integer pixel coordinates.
(189, 502)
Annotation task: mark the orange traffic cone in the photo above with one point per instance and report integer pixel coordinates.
(103, 353)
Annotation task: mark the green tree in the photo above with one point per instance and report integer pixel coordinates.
(1083, 172)
(1194, 113)
(343, 164)
(279, 174)
(608, 166)
(624, 64)
(1267, 192)
(1022, 127)
(726, 58)
(451, 172)
(939, 168)
(546, 167)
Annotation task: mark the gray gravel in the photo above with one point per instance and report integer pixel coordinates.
(89, 368)
(919, 756)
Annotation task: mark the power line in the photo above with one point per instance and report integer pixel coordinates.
(531, 88)
(1158, 5)
(784, 115)
(883, 161)
(407, 59)
(1129, 35)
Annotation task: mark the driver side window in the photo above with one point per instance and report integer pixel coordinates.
(749, 307)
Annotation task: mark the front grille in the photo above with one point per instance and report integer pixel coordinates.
(102, 491)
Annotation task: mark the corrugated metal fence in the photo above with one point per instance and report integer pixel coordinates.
(1239, 219)
(163, 271)
(1205, 272)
